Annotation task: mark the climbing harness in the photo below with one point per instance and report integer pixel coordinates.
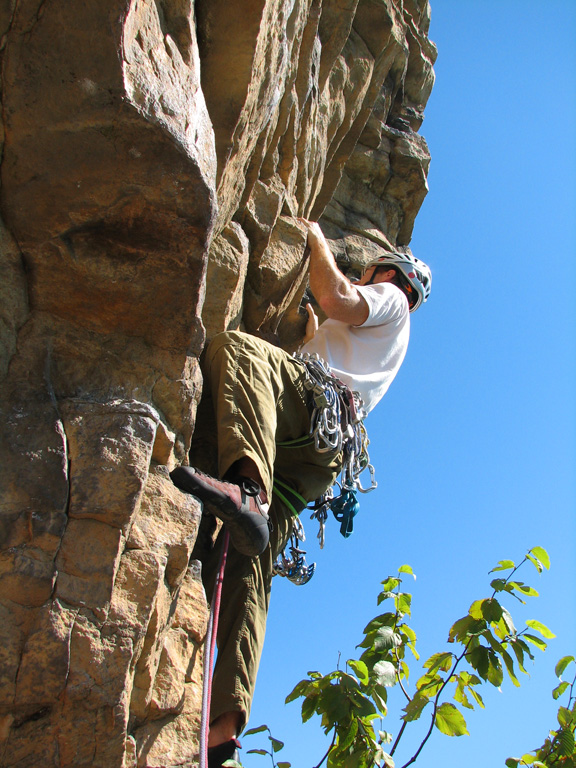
(337, 425)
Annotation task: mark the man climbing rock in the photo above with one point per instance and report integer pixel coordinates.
(269, 466)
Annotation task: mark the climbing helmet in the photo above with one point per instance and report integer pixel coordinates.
(416, 275)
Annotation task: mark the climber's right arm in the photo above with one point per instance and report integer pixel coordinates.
(337, 297)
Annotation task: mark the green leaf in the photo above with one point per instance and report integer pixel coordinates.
(519, 586)
(519, 653)
(494, 644)
(468, 679)
(565, 717)
(510, 667)
(277, 745)
(542, 555)
(429, 684)
(404, 629)
(538, 642)
(308, 708)
(491, 609)
(414, 651)
(525, 647)
(508, 623)
(562, 664)
(257, 752)
(259, 729)
(512, 762)
(362, 704)
(345, 739)
(385, 619)
(479, 660)
(386, 595)
(535, 562)
(380, 697)
(407, 569)
(539, 627)
(559, 690)
(348, 682)
(475, 609)
(232, 764)
(438, 661)
(334, 703)
(449, 720)
(284, 765)
(461, 698)
(500, 585)
(390, 583)
(477, 697)
(404, 603)
(385, 639)
(360, 668)
(300, 689)
(503, 565)
(385, 673)
(495, 671)
(565, 740)
(505, 628)
(388, 760)
(408, 638)
(414, 708)
(465, 628)
(460, 695)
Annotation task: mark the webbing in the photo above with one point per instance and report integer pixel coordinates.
(288, 496)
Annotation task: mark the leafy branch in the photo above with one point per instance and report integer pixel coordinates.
(350, 701)
(559, 749)
(275, 744)
(487, 634)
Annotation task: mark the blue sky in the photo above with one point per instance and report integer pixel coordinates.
(474, 444)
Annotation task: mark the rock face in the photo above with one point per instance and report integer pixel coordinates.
(154, 154)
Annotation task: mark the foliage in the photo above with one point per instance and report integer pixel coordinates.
(275, 744)
(485, 645)
(559, 749)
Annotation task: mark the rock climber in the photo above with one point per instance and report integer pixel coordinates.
(263, 409)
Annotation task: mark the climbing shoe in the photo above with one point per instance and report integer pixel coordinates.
(217, 756)
(237, 504)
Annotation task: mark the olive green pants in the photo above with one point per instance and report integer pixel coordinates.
(260, 402)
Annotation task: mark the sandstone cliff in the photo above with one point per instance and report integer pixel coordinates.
(154, 153)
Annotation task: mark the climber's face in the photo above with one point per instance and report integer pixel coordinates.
(376, 274)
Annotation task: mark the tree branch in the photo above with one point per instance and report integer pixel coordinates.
(328, 752)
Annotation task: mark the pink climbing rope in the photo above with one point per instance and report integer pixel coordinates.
(209, 652)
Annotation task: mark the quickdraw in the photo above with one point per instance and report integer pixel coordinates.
(293, 566)
(336, 425)
(337, 422)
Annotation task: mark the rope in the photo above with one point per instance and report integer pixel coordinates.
(210, 646)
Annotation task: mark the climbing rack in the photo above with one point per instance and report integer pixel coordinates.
(337, 425)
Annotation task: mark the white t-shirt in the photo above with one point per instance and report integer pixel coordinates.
(367, 357)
